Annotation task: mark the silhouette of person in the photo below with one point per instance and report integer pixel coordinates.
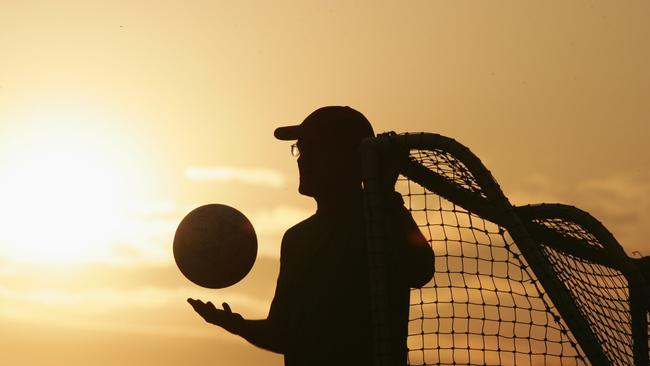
(321, 310)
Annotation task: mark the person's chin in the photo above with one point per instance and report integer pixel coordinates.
(304, 190)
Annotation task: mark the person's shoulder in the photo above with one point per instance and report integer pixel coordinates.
(305, 226)
(296, 235)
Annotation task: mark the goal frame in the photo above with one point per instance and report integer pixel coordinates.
(483, 196)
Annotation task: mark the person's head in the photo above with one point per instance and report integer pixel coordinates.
(328, 142)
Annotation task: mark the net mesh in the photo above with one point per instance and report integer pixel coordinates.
(600, 292)
(446, 165)
(484, 305)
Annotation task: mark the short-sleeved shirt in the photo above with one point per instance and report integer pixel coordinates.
(322, 299)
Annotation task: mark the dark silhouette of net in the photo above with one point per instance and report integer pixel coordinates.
(603, 294)
(598, 287)
(484, 305)
(542, 284)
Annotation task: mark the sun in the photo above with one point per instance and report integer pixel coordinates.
(66, 184)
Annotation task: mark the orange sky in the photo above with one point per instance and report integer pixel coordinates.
(117, 118)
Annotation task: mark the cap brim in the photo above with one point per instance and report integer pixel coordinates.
(287, 133)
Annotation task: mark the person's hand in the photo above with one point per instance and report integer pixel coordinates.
(224, 318)
(393, 160)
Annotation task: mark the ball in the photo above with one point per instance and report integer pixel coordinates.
(215, 246)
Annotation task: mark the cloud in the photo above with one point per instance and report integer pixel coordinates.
(146, 300)
(151, 241)
(151, 310)
(155, 208)
(254, 176)
(106, 299)
(85, 278)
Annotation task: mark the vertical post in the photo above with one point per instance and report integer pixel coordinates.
(639, 315)
(375, 224)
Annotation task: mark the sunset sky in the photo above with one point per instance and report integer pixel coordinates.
(117, 118)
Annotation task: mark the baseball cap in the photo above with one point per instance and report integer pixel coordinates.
(338, 124)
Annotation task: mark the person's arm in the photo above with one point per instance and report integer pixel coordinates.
(266, 333)
(418, 255)
(414, 252)
(262, 333)
(418, 259)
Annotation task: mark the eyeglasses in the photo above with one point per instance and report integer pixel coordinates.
(295, 151)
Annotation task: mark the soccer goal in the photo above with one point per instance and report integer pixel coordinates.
(542, 284)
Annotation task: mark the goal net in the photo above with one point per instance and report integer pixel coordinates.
(531, 285)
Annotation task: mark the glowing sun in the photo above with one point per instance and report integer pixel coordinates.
(65, 184)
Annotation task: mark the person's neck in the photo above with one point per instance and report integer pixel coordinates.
(339, 201)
